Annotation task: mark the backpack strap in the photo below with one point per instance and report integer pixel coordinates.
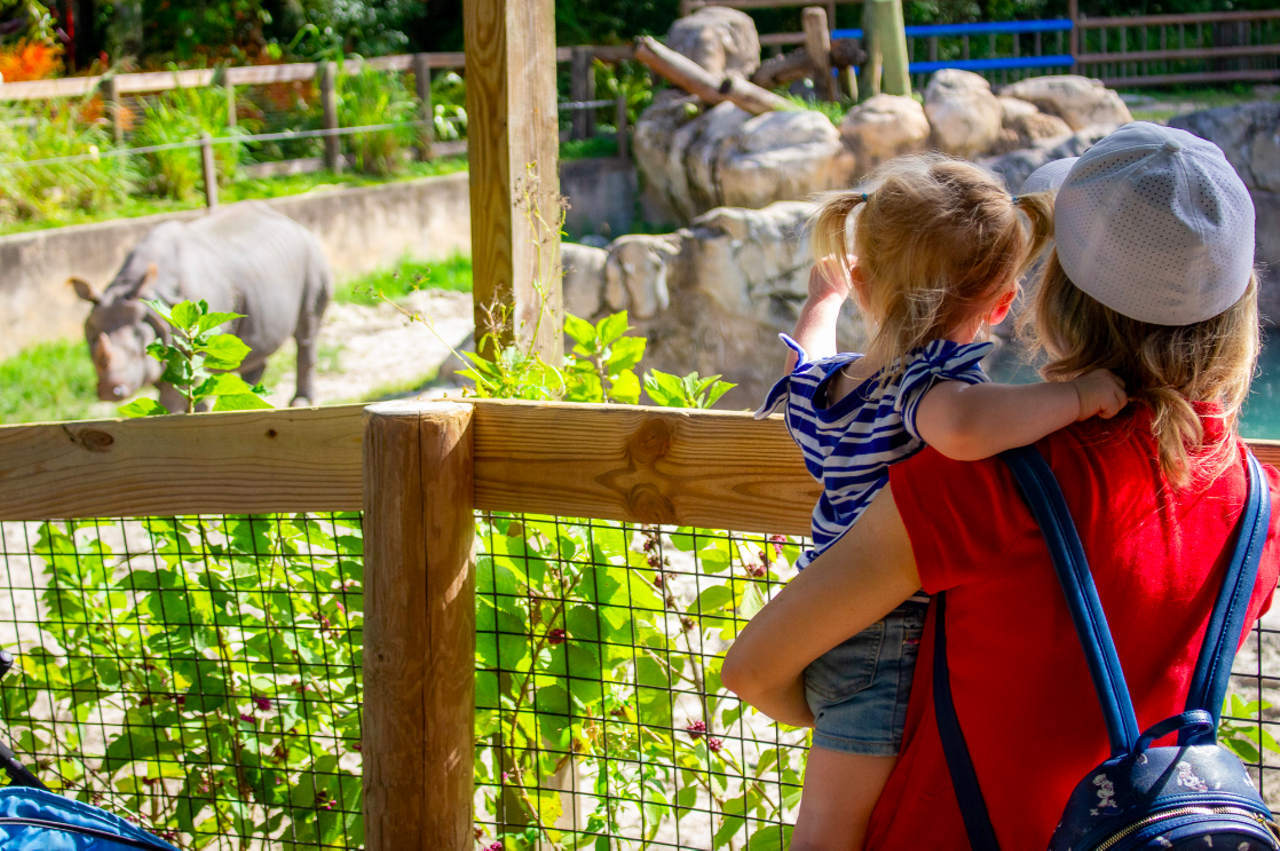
(1044, 497)
(1222, 636)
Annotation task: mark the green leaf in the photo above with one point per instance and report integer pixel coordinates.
(184, 315)
(242, 402)
(774, 837)
(580, 330)
(212, 320)
(626, 353)
(626, 388)
(143, 408)
(612, 327)
(224, 351)
(223, 384)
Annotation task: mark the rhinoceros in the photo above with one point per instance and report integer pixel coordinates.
(246, 259)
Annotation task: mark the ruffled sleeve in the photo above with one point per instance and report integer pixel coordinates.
(941, 360)
(779, 392)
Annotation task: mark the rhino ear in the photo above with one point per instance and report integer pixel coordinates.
(146, 287)
(84, 289)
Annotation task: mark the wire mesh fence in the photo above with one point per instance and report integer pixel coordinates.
(202, 675)
(199, 675)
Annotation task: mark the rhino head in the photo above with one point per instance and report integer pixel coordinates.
(119, 329)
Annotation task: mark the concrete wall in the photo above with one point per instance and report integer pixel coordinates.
(361, 229)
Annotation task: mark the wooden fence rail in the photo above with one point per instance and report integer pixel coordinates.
(418, 471)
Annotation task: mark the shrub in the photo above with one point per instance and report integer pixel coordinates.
(377, 97)
(58, 129)
(449, 106)
(183, 115)
(29, 60)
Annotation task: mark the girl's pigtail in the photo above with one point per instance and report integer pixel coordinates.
(830, 225)
(1038, 208)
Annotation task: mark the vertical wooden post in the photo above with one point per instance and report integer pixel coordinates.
(329, 103)
(422, 85)
(513, 160)
(620, 121)
(111, 104)
(871, 44)
(233, 113)
(419, 633)
(582, 87)
(1073, 38)
(892, 35)
(817, 42)
(209, 170)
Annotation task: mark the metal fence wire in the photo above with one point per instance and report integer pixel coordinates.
(199, 675)
(202, 676)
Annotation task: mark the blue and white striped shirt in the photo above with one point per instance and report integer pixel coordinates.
(848, 446)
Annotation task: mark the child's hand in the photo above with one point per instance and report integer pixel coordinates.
(1101, 394)
(828, 280)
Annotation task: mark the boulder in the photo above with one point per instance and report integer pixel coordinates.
(964, 114)
(781, 156)
(1015, 167)
(1024, 131)
(1013, 108)
(1267, 254)
(635, 275)
(583, 270)
(1249, 134)
(884, 127)
(720, 39)
(1077, 100)
(725, 156)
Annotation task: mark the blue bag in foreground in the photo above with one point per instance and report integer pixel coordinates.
(36, 820)
(1195, 794)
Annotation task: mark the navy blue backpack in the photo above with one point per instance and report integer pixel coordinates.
(1195, 794)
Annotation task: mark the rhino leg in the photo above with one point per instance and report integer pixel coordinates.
(253, 376)
(307, 337)
(172, 398)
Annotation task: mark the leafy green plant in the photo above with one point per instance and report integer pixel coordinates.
(183, 115)
(198, 362)
(372, 97)
(629, 79)
(54, 130)
(449, 106)
(1247, 739)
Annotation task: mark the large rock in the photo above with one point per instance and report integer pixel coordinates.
(1028, 129)
(1077, 100)
(964, 114)
(1248, 134)
(884, 127)
(1015, 167)
(725, 156)
(583, 269)
(713, 297)
(720, 39)
(781, 156)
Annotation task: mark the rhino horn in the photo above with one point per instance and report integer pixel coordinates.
(102, 350)
(84, 289)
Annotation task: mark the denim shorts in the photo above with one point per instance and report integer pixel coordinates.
(858, 690)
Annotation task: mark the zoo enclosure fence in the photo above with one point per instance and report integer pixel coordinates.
(550, 681)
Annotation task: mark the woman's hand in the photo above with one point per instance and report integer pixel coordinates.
(865, 575)
(1101, 394)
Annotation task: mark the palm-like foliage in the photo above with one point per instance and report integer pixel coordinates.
(373, 97)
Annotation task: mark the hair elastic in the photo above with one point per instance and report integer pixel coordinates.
(1013, 199)
(864, 197)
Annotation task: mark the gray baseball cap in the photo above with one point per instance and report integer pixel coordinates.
(1154, 223)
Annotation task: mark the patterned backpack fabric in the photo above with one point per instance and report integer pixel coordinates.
(1195, 794)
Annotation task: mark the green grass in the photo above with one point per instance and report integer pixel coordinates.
(395, 389)
(452, 273)
(586, 149)
(47, 382)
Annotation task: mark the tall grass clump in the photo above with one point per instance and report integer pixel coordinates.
(183, 115)
(377, 97)
(49, 131)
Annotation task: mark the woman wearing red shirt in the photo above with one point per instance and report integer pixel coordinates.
(1151, 278)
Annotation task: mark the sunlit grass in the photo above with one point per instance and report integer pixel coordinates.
(453, 273)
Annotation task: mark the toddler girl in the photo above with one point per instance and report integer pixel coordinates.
(938, 247)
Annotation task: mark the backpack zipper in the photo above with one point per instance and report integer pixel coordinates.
(1273, 830)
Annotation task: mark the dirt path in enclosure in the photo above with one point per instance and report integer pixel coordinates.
(372, 352)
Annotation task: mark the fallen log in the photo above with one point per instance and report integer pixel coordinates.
(784, 69)
(696, 80)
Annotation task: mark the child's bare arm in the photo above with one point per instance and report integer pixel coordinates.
(816, 325)
(968, 422)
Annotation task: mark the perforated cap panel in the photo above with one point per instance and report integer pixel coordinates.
(1155, 224)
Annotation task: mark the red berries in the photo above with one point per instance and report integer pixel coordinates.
(697, 729)
(556, 636)
(714, 745)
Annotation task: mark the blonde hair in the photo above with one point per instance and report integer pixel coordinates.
(938, 241)
(1167, 368)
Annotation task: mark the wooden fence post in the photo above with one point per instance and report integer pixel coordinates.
(419, 633)
(620, 121)
(582, 87)
(817, 43)
(329, 103)
(111, 105)
(1073, 38)
(871, 43)
(422, 85)
(891, 33)
(209, 171)
(513, 146)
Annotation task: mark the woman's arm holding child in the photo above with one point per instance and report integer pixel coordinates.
(968, 422)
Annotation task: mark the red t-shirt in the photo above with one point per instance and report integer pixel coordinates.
(1021, 686)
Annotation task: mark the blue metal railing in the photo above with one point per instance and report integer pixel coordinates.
(1000, 63)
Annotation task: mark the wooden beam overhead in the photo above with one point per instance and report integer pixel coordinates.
(513, 144)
